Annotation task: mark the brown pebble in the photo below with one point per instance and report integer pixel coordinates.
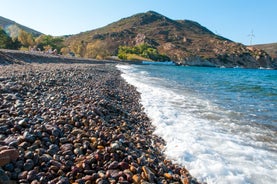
(92, 131)
(168, 176)
(23, 175)
(136, 178)
(184, 180)
(54, 168)
(8, 155)
(87, 178)
(100, 147)
(148, 174)
(133, 169)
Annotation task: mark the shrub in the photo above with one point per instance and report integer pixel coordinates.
(143, 51)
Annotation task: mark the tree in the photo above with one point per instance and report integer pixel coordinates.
(26, 39)
(5, 41)
(16, 44)
(45, 42)
(123, 51)
(142, 50)
(65, 51)
(79, 48)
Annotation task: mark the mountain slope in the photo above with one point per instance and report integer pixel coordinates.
(185, 42)
(270, 48)
(12, 28)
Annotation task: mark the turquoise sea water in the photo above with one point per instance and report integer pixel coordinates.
(220, 123)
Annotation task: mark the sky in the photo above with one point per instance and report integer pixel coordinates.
(244, 21)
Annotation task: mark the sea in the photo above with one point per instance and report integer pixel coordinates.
(219, 123)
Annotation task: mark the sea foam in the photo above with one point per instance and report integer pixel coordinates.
(208, 140)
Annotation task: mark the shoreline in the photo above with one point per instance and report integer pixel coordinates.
(67, 131)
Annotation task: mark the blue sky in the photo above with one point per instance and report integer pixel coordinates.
(233, 19)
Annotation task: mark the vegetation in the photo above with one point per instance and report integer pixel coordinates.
(6, 42)
(140, 52)
(25, 41)
(144, 36)
(46, 42)
(177, 40)
(78, 48)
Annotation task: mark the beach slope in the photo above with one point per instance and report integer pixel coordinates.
(77, 123)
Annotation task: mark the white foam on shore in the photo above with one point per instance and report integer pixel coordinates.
(158, 63)
(209, 141)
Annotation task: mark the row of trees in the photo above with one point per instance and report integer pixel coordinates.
(25, 41)
(97, 49)
(143, 50)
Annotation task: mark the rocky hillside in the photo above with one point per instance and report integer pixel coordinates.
(12, 28)
(185, 42)
(270, 48)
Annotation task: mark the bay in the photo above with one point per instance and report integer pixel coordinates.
(220, 123)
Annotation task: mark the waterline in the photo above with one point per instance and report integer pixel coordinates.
(216, 143)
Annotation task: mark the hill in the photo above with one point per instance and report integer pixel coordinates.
(12, 28)
(270, 48)
(183, 41)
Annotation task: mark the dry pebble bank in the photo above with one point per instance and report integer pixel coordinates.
(77, 123)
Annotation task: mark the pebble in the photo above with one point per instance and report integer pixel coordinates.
(77, 123)
(168, 176)
(28, 165)
(136, 178)
(8, 155)
(4, 178)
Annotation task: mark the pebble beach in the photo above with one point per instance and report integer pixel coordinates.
(77, 123)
